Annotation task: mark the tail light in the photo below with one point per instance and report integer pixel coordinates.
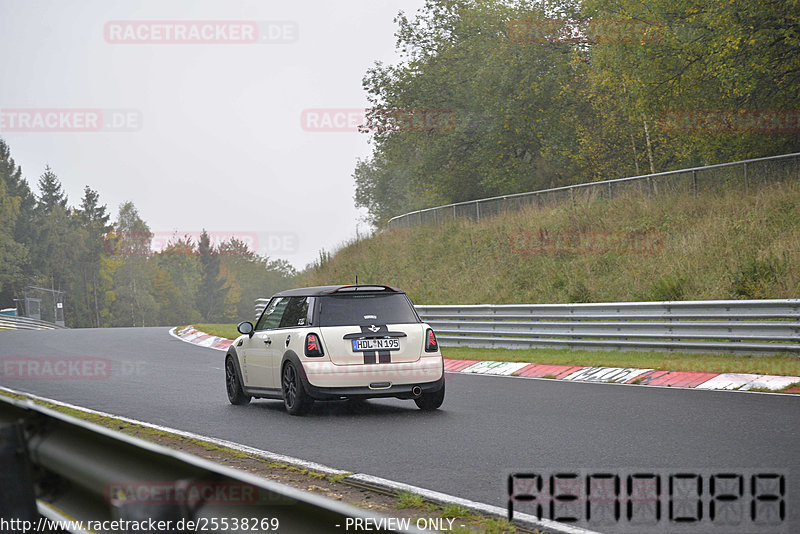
(313, 346)
(430, 341)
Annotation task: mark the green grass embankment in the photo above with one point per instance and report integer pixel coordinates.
(631, 248)
(222, 330)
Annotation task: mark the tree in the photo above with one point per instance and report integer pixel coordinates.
(254, 276)
(737, 57)
(93, 219)
(54, 249)
(17, 187)
(585, 93)
(212, 292)
(16, 204)
(131, 300)
(509, 109)
(51, 195)
(176, 283)
(13, 255)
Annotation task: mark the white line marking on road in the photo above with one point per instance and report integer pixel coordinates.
(358, 477)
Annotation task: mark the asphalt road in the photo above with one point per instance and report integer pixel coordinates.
(487, 428)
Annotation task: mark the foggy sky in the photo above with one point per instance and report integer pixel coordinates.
(215, 138)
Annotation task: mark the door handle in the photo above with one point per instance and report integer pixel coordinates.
(268, 341)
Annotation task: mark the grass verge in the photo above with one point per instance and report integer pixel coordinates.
(222, 330)
(672, 361)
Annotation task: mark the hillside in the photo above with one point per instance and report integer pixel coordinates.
(632, 248)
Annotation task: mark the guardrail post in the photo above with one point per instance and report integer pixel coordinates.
(745, 178)
(610, 194)
(694, 182)
(454, 213)
(478, 210)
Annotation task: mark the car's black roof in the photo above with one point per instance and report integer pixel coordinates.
(327, 290)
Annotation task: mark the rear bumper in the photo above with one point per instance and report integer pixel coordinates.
(402, 391)
(327, 380)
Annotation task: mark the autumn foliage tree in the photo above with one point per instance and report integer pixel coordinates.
(551, 93)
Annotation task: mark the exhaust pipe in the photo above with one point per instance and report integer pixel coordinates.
(416, 391)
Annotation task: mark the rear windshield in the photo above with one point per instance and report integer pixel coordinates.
(365, 310)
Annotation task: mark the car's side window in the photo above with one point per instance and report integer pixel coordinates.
(272, 315)
(296, 313)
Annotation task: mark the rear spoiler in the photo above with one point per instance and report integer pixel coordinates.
(372, 288)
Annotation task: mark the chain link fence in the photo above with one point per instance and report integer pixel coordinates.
(739, 175)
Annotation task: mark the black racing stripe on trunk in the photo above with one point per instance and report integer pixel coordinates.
(373, 356)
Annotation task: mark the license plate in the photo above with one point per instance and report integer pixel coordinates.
(376, 344)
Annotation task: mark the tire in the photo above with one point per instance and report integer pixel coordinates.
(430, 401)
(295, 398)
(235, 393)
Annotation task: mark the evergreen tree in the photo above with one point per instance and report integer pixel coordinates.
(53, 249)
(18, 226)
(51, 195)
(93, 220)
(212, 291)
(13, 255)
(17, 186)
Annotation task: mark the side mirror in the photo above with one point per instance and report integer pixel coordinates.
(245, 327)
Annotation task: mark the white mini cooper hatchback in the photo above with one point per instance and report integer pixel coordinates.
(336, 342)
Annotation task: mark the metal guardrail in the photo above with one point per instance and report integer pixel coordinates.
(85, 472)
(741, 326)
(260, 305)
(9, 322)
(728, 326)
(743, 174)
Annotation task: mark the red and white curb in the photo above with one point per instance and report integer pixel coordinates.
(196, 337)
(622, 375)
(615, 375)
